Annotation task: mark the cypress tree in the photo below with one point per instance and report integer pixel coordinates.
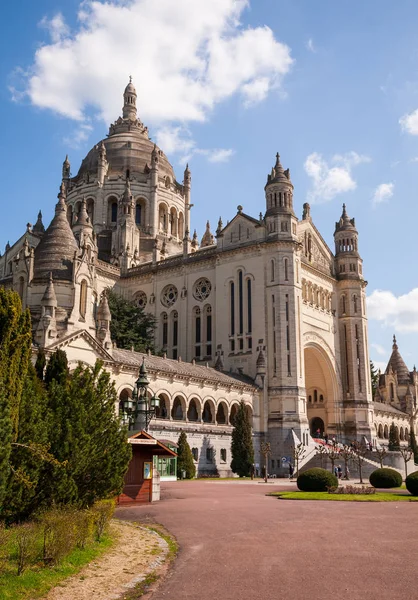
(394, 442)
(57, 368)
(185, 460)
(374, 376)
(242, 443)
(413, 445)
(15, 350)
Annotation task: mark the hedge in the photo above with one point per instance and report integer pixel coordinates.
(411, 483)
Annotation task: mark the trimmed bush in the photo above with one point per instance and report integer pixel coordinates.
(59, 539)
(411, 483)
(316, 480)
(385, 478)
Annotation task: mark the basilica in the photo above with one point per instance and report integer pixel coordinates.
(260, 310)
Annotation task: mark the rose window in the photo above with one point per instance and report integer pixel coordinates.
(202, 289)
(169, 295)
(141, 299)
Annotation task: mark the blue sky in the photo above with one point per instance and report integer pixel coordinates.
(332, 86)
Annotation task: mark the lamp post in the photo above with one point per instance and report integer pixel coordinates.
(139, 410)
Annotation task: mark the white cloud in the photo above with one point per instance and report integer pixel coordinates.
(383, 193)
(378, 349)
(56, 27)
(400, 313)
(409, 122)
(185, 57)
(79, 136)
(329, 180)
(178, 140)
(310, 45)
(380, 365)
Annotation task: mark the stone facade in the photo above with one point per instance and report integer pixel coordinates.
(264, 300)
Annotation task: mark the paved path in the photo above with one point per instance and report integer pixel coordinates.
(238, 544)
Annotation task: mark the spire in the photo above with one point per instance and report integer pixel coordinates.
(397, 365)
(220, 226)
(207, 239)
(39, 226)
(66, 168)
(187, 175)
(127, 194)
(49, 298)
(103, 311)
(83, 217)
(129, 102)
(278, 174)
(62, 195)
(345, 223)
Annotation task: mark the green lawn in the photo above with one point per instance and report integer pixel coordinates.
(37, 580)
(377, 497)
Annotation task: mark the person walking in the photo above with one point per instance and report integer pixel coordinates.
(347, 473)
(336, 471)
(339, 472)
(290, 471)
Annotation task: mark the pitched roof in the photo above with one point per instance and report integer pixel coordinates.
(175, 367)
(388, 408)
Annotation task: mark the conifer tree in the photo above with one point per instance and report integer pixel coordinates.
(242, 443)
(57, 368)
(131, 326)
(374, 376)
(40, 364)
(15, 349)
(413, 445)
(185, 460)
(394, 441)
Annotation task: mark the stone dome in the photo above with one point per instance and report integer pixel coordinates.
(55, 252)
(128, 147)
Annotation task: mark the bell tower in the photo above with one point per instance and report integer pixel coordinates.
(355, 364)
(280, 218)
(129, 102)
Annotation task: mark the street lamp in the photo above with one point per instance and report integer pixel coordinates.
(139, 410)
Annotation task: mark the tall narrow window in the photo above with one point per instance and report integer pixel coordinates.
(286, 270)
(343, 305)
(138, 211)
(208, 331)
(198, 333)
(114, 212)
(249, 307)
(175, 317)
(241, 303)
(232, 306)
(83, 298)
(164, 324)
(272, 273)
(355, 303)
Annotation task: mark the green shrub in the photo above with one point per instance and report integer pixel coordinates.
(102, 512)
(25, 542)
(84, 527)
(411, 483)
(385, 478)
(59, 535)
(316, 480)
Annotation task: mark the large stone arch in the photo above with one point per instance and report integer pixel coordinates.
(323, 388)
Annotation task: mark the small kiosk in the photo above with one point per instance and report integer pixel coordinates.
(142, 481)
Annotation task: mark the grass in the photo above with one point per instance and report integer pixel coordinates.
(37, 580)
(377, 497)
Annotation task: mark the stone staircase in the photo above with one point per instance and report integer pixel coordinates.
(370, 464)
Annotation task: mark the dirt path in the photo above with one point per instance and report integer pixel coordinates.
(137, 552)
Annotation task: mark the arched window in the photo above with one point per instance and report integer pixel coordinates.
(315, 395)
(385, 432)
(177, 412)
(233, 413)
(207, 416)
(401, 435)
(343, 307)
(162, 411)
(181, 226)
(21, 287)
(380, 431)
(192, 413)
(221, 414)
(392, 392)
(138, 214)
(83, 298)
(90, 209)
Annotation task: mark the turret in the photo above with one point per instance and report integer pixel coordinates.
(47, 327)
(39, 226)
(280, 218)
(187, 184)
(102, 164)
(348, 261)
(129, 102)
(83, 228)
(207, 239)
